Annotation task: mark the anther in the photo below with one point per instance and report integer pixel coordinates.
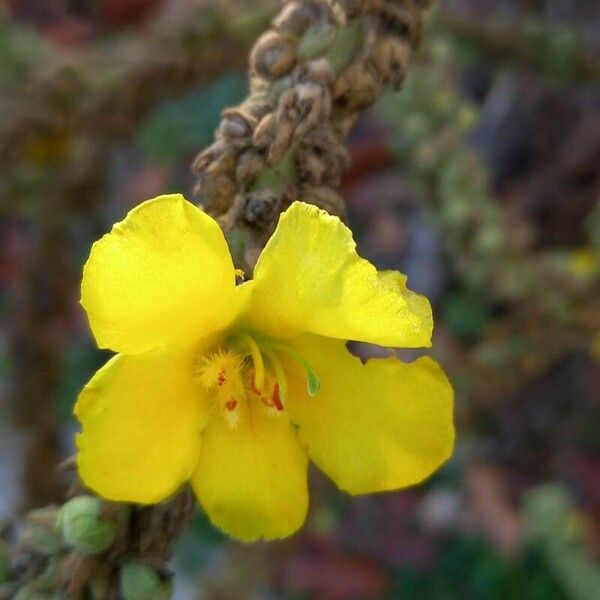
(276, 398)
(280, 387)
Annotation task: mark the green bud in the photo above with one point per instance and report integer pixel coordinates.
(140, 582)
(83, 526)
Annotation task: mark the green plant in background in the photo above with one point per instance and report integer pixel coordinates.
(20, 50)
(178, 127)
(552, 521)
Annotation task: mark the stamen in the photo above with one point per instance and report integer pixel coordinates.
(259, 367)
(313, 383)
(277, 398)
(280, 388)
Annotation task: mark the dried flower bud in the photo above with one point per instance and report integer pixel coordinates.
(210, 155)
(399, 21)
(357, 88)
(216, 191)
(316, 71)
(261, 206)
(392, 59)
(83, 526)
(313, 104)
(273, 56)
(353, 8)
(265, 131)
(249, 165)
(295, 18)
(326, 198)
(256, 106)
(223, 164)
(235, 124)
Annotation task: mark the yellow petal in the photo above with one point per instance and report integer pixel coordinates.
(373, 427)
(142, 418)
(163, 275)
(310, 278)
(251, 480)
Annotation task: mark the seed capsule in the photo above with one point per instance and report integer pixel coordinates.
(295, 18)
(272, 56)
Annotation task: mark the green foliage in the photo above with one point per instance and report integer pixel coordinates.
(466, 314)
(554, 524)
(469, 568)
(557, 47)
(20, 49)
(180, 127)
(430, 123)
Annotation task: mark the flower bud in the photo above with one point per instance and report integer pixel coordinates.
(83, 526)
(273, 56)
(295, 18)
(140, 582)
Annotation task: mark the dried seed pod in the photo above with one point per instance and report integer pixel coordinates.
(344, 125)
(236, 123)
(216, 191)
(209, 155)
(313, 105)
(224, 163)
(295, 18)
(265, 131)
(281, 142)
(323, 157)
(261, 206)
(249, 165)
(352, 9)
(316, 71)
(259, 86)
(326, 198)
(256, 106)
(273, 56)
(398, 20)
(392, 58)
(357, 88)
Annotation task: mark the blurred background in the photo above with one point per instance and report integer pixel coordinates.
(480, 180)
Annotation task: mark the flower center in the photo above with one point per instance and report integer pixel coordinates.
(248, 369)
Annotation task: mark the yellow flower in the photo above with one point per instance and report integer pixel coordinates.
(234, 388)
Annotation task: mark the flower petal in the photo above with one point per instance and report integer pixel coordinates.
(310, 278)
(142, 418)
(163, 275)
(251, 480)
(373, 427)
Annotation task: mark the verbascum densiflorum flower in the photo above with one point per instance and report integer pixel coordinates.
(235, 387)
